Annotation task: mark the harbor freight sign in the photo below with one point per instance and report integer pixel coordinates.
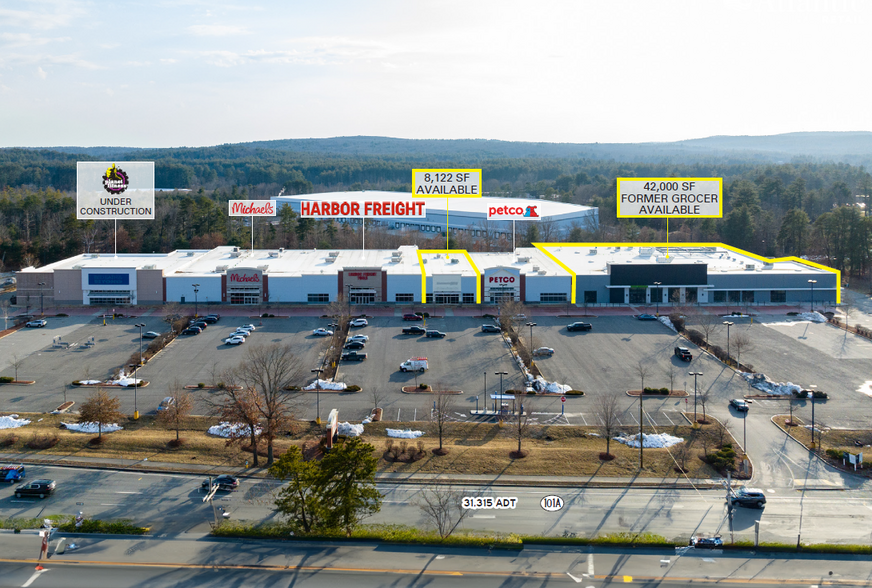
(362, 209)
(115, 190)
(446, 183)
(252, 207)
(670, 197)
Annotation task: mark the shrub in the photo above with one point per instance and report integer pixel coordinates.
(422, 386)
(352, 388)
(201, 385)
(62, 314)
(677, 321)
(800, 394)
(834, 454)
(531, 392)
(695, 337)
(664, 391)
(8, 440)
(121, 527)
(6, 379)
(819, 394)
(220, 386)
(42, 442)
(574, 393)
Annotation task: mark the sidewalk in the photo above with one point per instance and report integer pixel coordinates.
(384, 478)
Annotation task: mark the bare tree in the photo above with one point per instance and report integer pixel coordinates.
(268, 370)
(671, 373)
(703, 398)
(443, 507)
(522, 424)
(792, 404)
(681, 453)
(16, 363)
(100, 408)
(238, 406)
(443, 404)
(606, 411)
(377, 394)
(847, 309)
(708, 323)
(643, 371)
(175, 415)
(173, 316)
(742, 342)
(510, 313)
(724, 432)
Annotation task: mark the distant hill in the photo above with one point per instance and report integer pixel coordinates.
(848, 147)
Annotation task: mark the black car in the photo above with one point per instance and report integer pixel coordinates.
(434, 333)
(41, 488)
(353, 356)
(416, 330)
(490, 329)
(210, 320)
(199, 324)
(192, 330)
(683, 353)
(354, 345)
(748, 497)
(739, 404)
(579, 327)
(224, 482)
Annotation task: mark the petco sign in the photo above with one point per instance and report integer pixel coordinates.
(510, 212)
(502, 277)
(252, 208)
(243, 277)
(501, 280)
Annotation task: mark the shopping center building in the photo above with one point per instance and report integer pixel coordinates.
(610, 274)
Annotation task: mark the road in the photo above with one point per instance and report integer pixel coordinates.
(171, 504)
(201, 561)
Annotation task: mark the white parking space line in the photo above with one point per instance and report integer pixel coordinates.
(669, 419)
(584, 420)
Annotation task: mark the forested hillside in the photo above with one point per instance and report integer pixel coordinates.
(798, 208)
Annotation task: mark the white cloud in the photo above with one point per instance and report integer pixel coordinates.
(216, 30)
(11, 59)
(169, 60)
(41, 72)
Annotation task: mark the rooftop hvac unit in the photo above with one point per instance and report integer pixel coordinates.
(333, 254)
(535, 268)
(150, 266)
(281, 249)
(768, 266)
(455, 260)
(273, 253)
(236, 249)
(664, 259)
(396, 253)
(190, 254)
(542, 272)
(750, 266)
(646, 251)
(523, 259)
(235, 252)
(592, 251)
(94, 255)
(263, 268)
(221, 268)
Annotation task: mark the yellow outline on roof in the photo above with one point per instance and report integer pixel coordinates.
(447, 251)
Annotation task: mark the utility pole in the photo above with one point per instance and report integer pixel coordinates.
(694, 374)
(728, 325)
(641, 438)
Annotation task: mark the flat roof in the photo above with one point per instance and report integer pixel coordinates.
(466, 206)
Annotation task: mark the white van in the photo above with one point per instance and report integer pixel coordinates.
(415, 364)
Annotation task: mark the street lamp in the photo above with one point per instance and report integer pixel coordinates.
(694, 374)
(485, 394)
(531, 325)
(135, 382)
(196, 305)
(41, 308)
(659, 296)
(729, 357)
(813, 386)
(812, 283)
(318, 394)
(501, 374)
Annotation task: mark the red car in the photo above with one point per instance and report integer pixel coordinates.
(412, 317)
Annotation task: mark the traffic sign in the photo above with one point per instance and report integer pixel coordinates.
(563, 399)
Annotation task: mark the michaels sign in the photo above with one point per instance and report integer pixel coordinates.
(244, 277)
(252, 207)
(532, 212)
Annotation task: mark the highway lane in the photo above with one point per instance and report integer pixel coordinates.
(171, 504)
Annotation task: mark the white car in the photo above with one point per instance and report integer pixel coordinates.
(358, 322)
(234, 341)
(37, 323)
(246, 328)
(546, 351)
(242, 334)
(361, 338)
(323, 332)
(150, 335)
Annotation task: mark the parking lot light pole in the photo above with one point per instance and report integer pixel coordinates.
(694, 374)
(196, 302)
(135, 382)
(729, 357)
(659, 296)
(812, 283)
(501, 374)
(485, 394)
(531, 325)
(318, 394)
(41, 308)
(813, 386)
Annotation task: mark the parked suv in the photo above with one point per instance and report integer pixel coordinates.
(579, 327)
(412, 317)
(434, 334)
(748, 497)
(490, 329)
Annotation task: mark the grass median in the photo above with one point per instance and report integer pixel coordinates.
(473, 448)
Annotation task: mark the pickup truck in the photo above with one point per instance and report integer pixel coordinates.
(416, 330)
(353, 356)
(683, 353)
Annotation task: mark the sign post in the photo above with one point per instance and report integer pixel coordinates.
(562, 405)
(251, 208)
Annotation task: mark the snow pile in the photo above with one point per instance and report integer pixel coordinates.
(657, 441)
(543, 386)
(125, 381)
(407, 434)
(92, 427)
(325, 385)
(228, 430)
(90, 382)
(349, 430)
(814, 317)
(665, 320)
(765, 385)
(10, 422)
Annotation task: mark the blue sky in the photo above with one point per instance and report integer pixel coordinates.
(190, 72)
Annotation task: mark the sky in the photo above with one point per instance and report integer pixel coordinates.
(155, 73)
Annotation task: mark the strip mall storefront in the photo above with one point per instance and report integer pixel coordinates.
(363, 285)
(244, 286)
